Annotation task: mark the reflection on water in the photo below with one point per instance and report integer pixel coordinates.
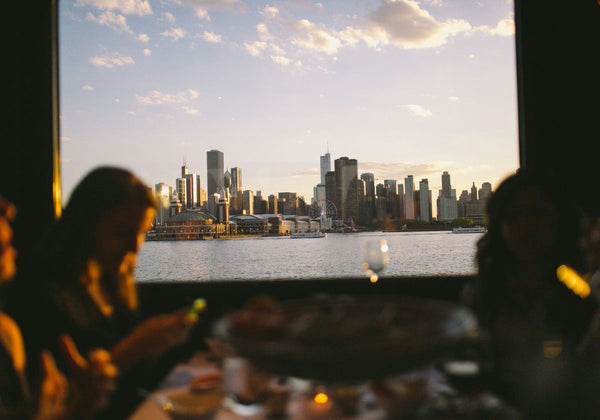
(338, 255)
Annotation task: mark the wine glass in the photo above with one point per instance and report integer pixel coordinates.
(376, 258)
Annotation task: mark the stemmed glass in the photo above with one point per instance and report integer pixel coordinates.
(376, 258)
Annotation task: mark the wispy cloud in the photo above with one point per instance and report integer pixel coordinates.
(111, 60)
(263, 32)
(65, 138)
(505, 27)
(156, 97)
(418, 110)
(399, 170)
(211, 37)
(111, 20)
(269, 12)
(281, 60)
(174, 33)
(202, 14)
(127, 7)
(169, 16)
(190, 111)
(308, 172)
(255, 48)
(147, 51)
(453, 98)
(143, 37)
(87, 88)
(315, 37)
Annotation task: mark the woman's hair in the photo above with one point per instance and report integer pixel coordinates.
(495, 260)
(62, 255)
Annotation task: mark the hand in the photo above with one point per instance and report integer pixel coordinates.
(92, 378)
(153, 337)
(53, 392)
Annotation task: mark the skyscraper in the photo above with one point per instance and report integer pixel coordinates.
(180, 187)
(201, 193)
(236, 180)
(391, 183)
(325, 166)
(273, 204)
(409, 199)
(369, 179)
(191, 190)
(425, 197)
(486, 191)
(447, 206)
(215, 171)
(346, 188)
(184, 169)
(473, 193)
(248, 201)
(446, 186)
(227, 180)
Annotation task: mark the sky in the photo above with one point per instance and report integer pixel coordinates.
(405, 87)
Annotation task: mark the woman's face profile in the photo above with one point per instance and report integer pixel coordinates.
(120, 235)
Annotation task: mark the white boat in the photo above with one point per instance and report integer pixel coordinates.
(297, 235)
(476, 229)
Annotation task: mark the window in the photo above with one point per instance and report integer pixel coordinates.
(346, 116)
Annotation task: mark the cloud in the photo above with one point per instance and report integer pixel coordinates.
(143, 37)
(111, 20)
(315, 37)
(505, 27)
(156, 97)
(174, 33)
(269, 12)
(64, 138)
(211, 37)
(87, 88)
(399, 170)
(319, 5)
(453, 98)
(276, 49)
(263, 32)
(308, 172)
(169, 17)
(279, 59)
(190, 111)
(147, 51)
(111, 60)
(202, 14)
(471, 56)
(131, 113)
(216, 4)
(127, 7)
(255, 48)
(418, 110)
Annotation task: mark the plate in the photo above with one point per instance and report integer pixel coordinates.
(346, 339)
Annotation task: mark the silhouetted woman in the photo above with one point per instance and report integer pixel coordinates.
(83, 271)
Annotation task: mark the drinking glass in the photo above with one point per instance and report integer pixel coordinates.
(376, 258)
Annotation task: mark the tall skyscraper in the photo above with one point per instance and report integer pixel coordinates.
(248, 201)
(473, 193)
(236, 180)
(369, 179)
(486, 191)
(447, 206)
(191, 190)
(227, 180)
(409, 199)
(201, 193)
(446, 186)
(325, 166)
(391, 183)
(215, 171)
(184, 169)
(425, 197)
(273, 204)
(346, 188)
(180, 187)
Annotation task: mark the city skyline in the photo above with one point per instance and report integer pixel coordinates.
(274, 84)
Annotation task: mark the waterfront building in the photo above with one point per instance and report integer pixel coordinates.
(325, 166)
(236, 180)
(391, 184)
(346, 188)
(288, 202)
(425, 201)
(447, 206)
(188, 225)
(223, 211)
(180, 187)
(191, 190)
(273, 204)
(215, 171)
(248, 201)
(409, 199)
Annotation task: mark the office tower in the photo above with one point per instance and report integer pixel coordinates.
(330, 188)
(273, 204)
(320, 194)
(180, 187)
(425, 197)
(213, 204)
(485, 192)
(163, 194)
(215, 171)
(175, 206)
(369, 179)
(325, 166)
(382, 190)
(446, 186)
(191, 190)
(248, 201)
(401, 201)
(227, 180)
(258, 194)
(346, 188)
(409, 200)
(223, 211)
(184, 169)
(391, 183)
(236, 180)
(462, 203)
(447, 206)
(289, 201)
(473, 193)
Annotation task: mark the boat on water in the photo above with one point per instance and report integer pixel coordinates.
(297, 235)
(475, 229)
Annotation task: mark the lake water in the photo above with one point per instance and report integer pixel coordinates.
(338, 255)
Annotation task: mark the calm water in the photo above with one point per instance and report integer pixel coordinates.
(411, 253)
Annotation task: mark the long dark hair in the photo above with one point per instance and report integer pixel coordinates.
(62, 254)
